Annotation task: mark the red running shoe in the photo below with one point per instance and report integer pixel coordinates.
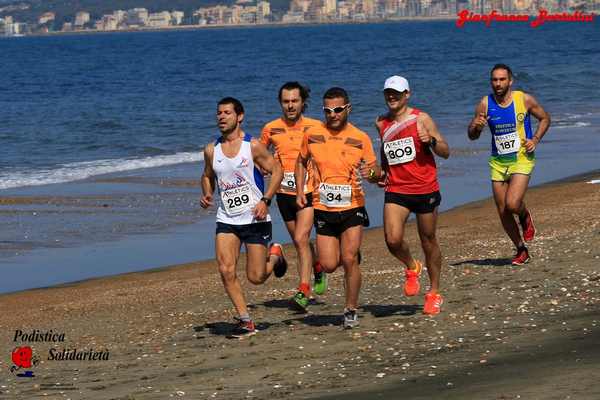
(412, 285)
(527, 225)
(522, 256)
(433, 303)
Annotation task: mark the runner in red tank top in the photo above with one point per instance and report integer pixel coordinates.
(411, 167)
(409, 138)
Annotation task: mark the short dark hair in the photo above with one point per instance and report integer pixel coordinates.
(336, 93)
(304, 90)
(237, 105)
(504, 67)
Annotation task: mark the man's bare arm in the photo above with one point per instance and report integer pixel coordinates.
(479, 121)
(441, 147)
(207, 182)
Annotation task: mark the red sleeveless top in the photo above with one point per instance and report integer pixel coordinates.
(408, 163)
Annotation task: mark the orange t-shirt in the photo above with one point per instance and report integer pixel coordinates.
(336, 158)
(287, 141)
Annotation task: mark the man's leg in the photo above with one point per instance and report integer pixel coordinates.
(500, 190)
(517, 187)
(329, 252)
(258, 266)
(426, 224)
(350, 245)
(291, 228)
(227, 248)
(394, 219)
(304, 223)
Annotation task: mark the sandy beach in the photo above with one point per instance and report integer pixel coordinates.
(505, 332)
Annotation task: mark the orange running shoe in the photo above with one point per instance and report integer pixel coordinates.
(281, 265)
(412, 285)
(433, 303)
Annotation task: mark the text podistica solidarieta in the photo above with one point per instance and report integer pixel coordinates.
(59, 354)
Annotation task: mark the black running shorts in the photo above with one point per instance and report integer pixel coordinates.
(287, 205)
(258, 233)
(333, 223)
(417, 203)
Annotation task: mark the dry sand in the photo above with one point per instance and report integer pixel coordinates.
(505, 332)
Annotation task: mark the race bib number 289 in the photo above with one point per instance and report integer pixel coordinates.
(237, 200)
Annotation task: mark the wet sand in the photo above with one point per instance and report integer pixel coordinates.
(505, 332)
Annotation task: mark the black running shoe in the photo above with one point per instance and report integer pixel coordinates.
(243, 329)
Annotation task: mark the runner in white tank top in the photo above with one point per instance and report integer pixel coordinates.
(240, 184)
(243, 213)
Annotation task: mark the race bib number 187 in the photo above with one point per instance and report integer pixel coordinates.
(508, 143)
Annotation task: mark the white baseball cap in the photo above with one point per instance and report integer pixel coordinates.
(396, 83)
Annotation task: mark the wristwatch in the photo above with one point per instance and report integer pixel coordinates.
(266, 200)
(371, 173)
(432, 142)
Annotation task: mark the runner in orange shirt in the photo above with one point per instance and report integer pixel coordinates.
(285, 136)
(338, 150)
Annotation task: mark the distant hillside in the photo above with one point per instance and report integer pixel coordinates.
(65, 9)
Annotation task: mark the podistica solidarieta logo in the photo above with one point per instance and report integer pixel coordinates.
(24, 359)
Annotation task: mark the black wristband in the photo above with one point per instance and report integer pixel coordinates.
(266, 200)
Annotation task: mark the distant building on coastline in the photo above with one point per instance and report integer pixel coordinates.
(81, 18)
(107, 23)
(13, 28)
(223, 15)
(137, 17)
(177, 17)
(46, 18)
(159, 20)
(120, 16)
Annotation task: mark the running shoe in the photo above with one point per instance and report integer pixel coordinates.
(281, 265)
(527, 226)
(350, 319)
(320, 286)
(412, 285)
(522, 256)
(243, 329)
(433, 303)
(300, 300)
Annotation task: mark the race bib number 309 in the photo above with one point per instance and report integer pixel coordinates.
(237, 200)
(335, 195)
(400, 151)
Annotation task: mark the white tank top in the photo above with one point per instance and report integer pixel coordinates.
(240, 183)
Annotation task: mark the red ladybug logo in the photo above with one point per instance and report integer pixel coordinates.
(21, 357)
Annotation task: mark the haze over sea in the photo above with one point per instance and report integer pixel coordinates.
(102, 120)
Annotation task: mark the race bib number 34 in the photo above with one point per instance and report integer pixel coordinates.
(400, 151)
(335, 195)
(237, 200)
(508, 143)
